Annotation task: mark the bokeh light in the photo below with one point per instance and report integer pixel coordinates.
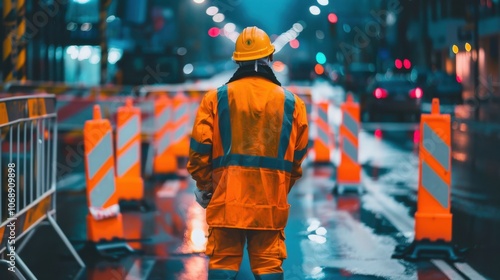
(314, 10)
(332, 18)
(212, 10)
(213, 32)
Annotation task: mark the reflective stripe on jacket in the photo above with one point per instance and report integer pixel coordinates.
(248, 142)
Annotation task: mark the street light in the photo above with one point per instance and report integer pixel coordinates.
(314, 10)
(468, 47)
(218, 17)
(298, 27)
(323, 2)
(212, 10)
(198, 1)
(229, 27)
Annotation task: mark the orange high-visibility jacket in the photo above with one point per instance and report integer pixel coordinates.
(248, 142)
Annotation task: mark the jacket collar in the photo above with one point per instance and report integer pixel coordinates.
(263, 71)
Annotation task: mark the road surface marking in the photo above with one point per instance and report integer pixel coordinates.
(469, 271)
(447, 270)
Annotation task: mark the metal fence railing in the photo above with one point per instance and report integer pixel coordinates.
(28, 142)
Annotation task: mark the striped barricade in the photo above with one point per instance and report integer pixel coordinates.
(180, 121)
(433, 219)
(181, 130)
(323, 142)
(349, 169)
(165, 161)
(104, 221)
(130, 185)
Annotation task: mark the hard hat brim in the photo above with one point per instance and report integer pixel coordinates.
(247, 56)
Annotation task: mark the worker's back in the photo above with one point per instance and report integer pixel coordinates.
(256, 113)
(255, 131)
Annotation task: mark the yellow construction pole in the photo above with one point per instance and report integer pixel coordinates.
(9, 25)
(21, 41)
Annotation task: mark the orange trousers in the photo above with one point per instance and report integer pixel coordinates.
(266, 250)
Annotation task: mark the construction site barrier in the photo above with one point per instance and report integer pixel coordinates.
(349, 169)
(433, 219)
(104, 220)
(323, 139)
(27, 173)
(164, 161)
(130, 185)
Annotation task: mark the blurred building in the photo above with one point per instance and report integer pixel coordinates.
(442, 33)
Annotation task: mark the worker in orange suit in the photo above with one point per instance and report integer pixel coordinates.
(248, 142)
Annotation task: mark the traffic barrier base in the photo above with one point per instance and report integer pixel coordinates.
(426, 249)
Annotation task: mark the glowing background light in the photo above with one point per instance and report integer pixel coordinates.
(314, 10)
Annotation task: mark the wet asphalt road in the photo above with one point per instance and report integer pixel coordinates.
(329, 236)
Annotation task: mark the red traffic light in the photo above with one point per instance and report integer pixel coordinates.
(332, 18)
(213, 32)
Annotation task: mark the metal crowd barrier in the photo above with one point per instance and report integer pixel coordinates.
(28, 127)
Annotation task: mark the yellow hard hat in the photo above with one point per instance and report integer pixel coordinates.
(252, 44)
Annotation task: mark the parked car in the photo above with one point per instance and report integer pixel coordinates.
(391, 94)
(446, 87)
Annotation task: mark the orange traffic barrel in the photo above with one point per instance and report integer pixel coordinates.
(323, 143)
(181, 121)
(349, 169)
(181, 129)
(165, 161)
(130, 185)
(104, 221)
(433, 219)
